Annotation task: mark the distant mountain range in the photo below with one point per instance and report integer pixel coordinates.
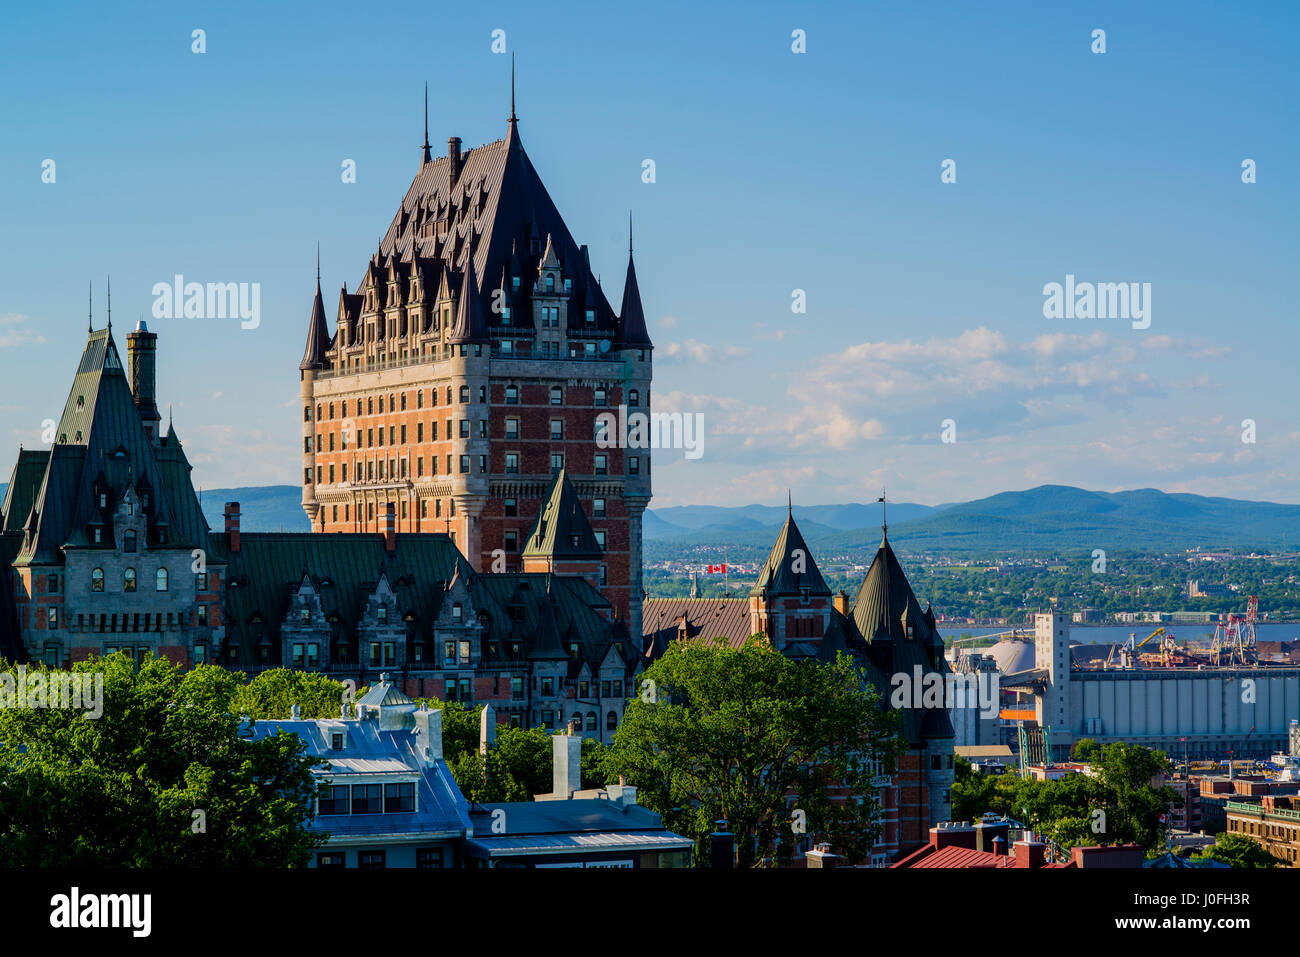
(1049, 518)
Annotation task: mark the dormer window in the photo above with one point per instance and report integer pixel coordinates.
(381, 613)
(550, 284)
(81, 400)
(336, 741)
(128, 541)
(304, 615)
(591, 316)
(457, 612)
(568, 285)
(514, 283)
(103, 500)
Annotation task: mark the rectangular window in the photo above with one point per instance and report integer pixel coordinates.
(511, 507)
(602, 464)
(598, 397)
(598, 508)
(371, 859)
(517, 688)
(51, 616)
(584, 689)
(557, 430)
(512, 428)
(335, 800)
(512, 541)
(331, 860)
(633, 465)
(548, 686)
(464, 463)
(399, 798)
(464, 428)
(428, 857)
(390, 653)
(449, 652)
(365, 799)
(464, 652)
(374, 653)
(512, 463)
(557, 463)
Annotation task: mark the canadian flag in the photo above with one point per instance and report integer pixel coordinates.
(717, 569)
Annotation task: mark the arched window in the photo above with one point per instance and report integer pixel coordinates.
(128, 580)
(593, 720)
(611, 721)
(128, 540)
(97, 579)
(550, 284)
(161, 579)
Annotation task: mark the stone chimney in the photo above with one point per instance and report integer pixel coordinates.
(390, 527)
(841, 602)
(232, 526)
(141, 366)
(722, 847)
(822, 857)
(567, 762)
(428, 735)
(487, 729)
(1031, 853)
(454, 159)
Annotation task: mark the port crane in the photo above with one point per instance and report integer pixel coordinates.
(1234, 640)
(1128, 651)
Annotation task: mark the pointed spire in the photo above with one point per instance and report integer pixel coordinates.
(318, 335)
(513, 144)
(470, 324)
(789, 504)
(426, 157)
(632, 330)
(90, 308)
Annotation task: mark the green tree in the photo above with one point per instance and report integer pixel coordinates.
(271, 694)
(121, 790)
(1135, 804)
(972, 792)
(1238, 850)
(1087, 750)
(753, 737)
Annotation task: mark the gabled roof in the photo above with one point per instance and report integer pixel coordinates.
(561, 530)
(790, 566)
(470, 324)
(345, 567)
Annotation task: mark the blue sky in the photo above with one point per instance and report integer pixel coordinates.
(775, 171)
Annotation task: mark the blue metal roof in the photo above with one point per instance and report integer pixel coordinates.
(441, 808)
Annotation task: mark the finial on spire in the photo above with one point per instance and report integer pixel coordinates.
(789, 504)
(110, 304)
(90, 308)
(318, 265)
(629, 232)
(426, 157)
(884, 514)
(513, 118)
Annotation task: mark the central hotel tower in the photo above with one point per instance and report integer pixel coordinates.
(460, 389)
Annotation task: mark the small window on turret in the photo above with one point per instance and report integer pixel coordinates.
(550, 284)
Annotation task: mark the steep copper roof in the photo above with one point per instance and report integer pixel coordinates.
(562, 529)
(318, 334)
(790, 566)
(631, 322)
(103, 446)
